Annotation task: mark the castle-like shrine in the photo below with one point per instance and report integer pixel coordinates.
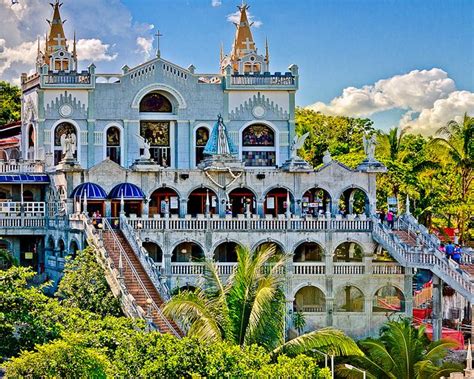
(159, 167)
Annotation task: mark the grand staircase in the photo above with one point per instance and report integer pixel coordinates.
(413, 246)
(128, 279)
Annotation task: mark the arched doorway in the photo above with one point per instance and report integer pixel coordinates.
(73, 248)
(348, 252)
(202, 201)
(164, 201)
(242, 201)
(226, 252)
(354, 201)
(308, 252)
(309, 299)
(132, 197)
(154, 251)
(187, 252)
(62, 248)
(349, 299)
(316, 201)
(63, 130)
(276, 202)
(389, 299)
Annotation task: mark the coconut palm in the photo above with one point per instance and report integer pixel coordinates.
(403, 351)
(249, 308)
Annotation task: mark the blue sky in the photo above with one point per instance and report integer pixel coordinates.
(422, 50)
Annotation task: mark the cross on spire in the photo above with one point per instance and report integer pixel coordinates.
(158, 35)
(59, 39)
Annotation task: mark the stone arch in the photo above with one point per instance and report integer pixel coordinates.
(309, 298)
(349, 298)
(74, 246)
(224, 251)
(30, 145)
(159, 87)
(241, 199)
(279, 195)
(50, 243)
(388, 298)
(308, 251)
(187, 251)
(280, 245)
(348, 204)
(316, 201)
(276, 132)
(154, 250)
(348, 251)
(167, 194)
(199, 197)
(62, 248)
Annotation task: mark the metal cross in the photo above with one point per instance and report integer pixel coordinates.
(58, 39)
(158, 35)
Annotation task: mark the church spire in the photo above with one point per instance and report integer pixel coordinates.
(56, 39)
(243, 41)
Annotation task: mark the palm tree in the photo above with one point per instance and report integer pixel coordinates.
(249, 308)
(394, 138)
(402, 352)
(458, 139)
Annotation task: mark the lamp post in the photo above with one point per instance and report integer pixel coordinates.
(350, 367)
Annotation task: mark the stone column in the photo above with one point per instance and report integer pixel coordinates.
(183, 207)
(437, 315)
(408, 291)
(146, 209)
(108, 208)
(368, 313)
(260, 207)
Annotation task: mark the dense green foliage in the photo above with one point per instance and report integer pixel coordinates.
(402, 351)
(10, 104)
(44, 337)
(435, 172)
(249, 308)
(84, 286)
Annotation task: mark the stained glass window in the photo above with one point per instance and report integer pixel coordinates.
(258, 146)
(258, 135)
(155, 102)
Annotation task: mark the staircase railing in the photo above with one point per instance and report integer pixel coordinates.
(124, 259)
(409, 223)
(153, 272)
(425, 259)
(112, 274)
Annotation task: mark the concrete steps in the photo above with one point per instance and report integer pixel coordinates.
(136, 287)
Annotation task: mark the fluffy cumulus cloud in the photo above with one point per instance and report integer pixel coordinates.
(105, 29)
(145, 46)
(429, 97)
(235, 18)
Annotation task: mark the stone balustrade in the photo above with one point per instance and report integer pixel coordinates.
(21, 166)
(217, 224)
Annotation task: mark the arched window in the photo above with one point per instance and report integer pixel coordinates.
(31, 143)
(63, 129)
(258, 146)
(202, 135)
(113, 144)
(155, 102)
(157, 133)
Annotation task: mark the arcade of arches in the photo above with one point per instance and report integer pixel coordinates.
(164, 201)
(187, 252)
(309, 299)
(202, 201)
(226, 252)
(276, 201)
(242, 201)
(154, 251)
(348, 252)
(354, 201)
(315, 202)
(308, 252)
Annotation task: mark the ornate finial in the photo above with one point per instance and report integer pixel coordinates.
(222, 52)
(267, 54)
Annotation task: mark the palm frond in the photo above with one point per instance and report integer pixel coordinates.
(379, 354)
(326, 339)
(437, 350)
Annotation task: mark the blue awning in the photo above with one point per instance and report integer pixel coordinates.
(128, 191)
(91, 190)
(24, 178)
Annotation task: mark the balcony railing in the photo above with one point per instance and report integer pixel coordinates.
(309, 268)
(60, 79)
(349, 269)
(28, 209)
(224, 224)
(23, 167)
(262, 80)
(19, 222)
(388, 268)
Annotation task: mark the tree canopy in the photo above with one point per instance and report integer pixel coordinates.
(10, 103)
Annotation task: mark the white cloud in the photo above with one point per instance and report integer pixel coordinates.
(431, 94)
(94, 50)
(145, 46)
(443, 111)
(25, 53)
(216, 3)
(235, 18)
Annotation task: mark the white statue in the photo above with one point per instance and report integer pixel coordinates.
(145, 145)
(68, 144)
(327, 157)
(297, 144)
(369, 147)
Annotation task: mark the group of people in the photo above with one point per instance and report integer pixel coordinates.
(96, 218)
(452, 251)
(388, 217)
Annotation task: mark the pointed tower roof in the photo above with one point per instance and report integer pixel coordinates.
(219, 142)
(243, 41)
(56, 38)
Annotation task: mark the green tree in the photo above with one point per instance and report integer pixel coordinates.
(249, 308)
(84, 286)
(7, 260)
(10, 103)
(403, 351)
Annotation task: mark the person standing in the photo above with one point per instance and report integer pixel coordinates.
(390, 219)
(449, 249)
